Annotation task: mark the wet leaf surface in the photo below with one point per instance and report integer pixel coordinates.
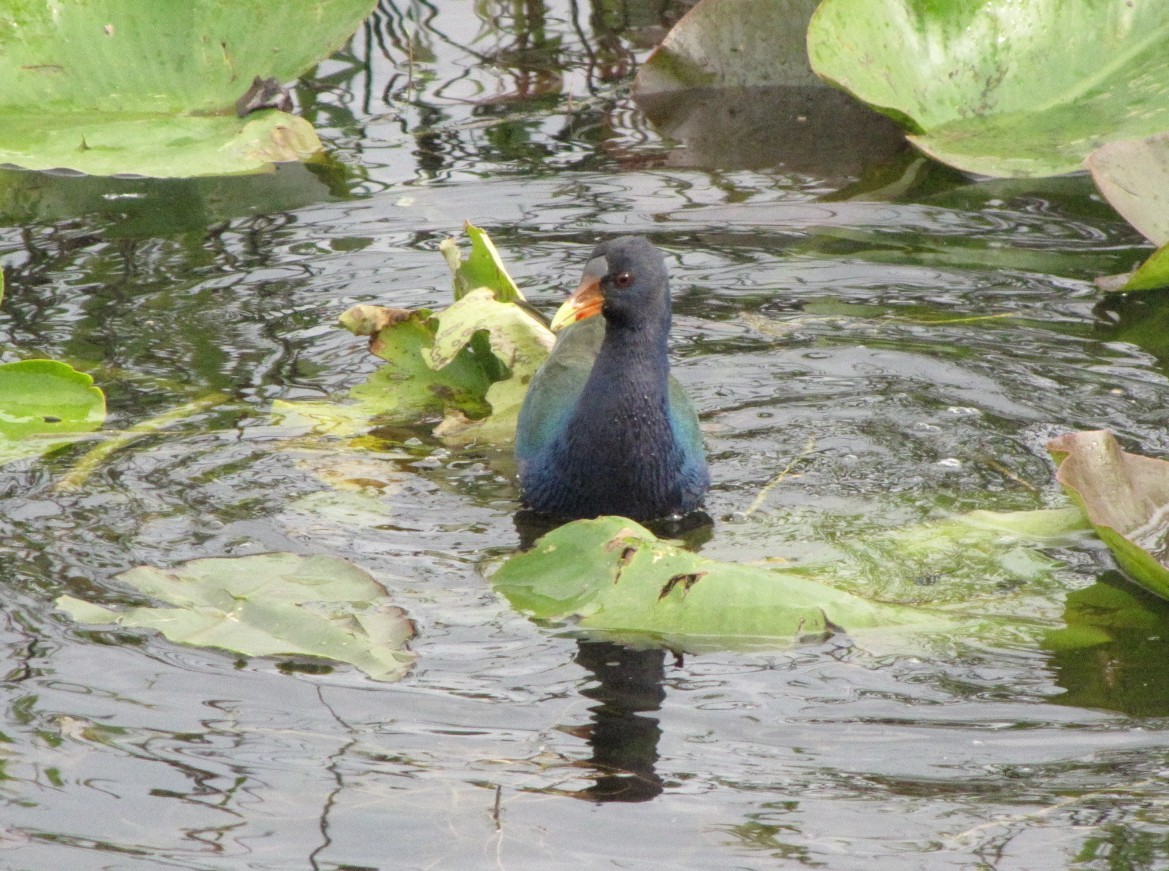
(277, 604)
(45, 404)
(1126, 496)
(1002, 88)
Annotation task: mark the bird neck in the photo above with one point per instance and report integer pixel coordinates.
(636, 355)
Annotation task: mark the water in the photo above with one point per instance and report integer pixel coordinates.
(913, 338)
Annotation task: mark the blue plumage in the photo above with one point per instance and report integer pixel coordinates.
(604, 429)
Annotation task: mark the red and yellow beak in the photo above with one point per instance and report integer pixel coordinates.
(586, 301)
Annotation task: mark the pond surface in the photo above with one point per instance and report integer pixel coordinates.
(898, 337)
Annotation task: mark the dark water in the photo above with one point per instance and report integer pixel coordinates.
(913, 336)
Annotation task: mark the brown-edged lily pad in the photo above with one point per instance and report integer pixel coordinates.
(1126, 497)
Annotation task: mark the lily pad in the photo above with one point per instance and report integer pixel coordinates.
(1000, 87)
(973, 576)
(614, 575)
(1126, 497)
(118, 86)
(277, 604)
(45, 404)
(163, 146)
(1133, 175)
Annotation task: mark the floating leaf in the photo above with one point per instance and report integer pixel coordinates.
(45, 404)
(483, 267)
(1126, 496)
(277, 604)
(514, 338)
(1001, 87)
(163, 146)
(119, 86)
(612, 574)
(1133, 175)
(965, 575)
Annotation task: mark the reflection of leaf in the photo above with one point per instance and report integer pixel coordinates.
(1001, 87)
(119, 86)
(153, 208)
(732, 44)
(1126, 496)
(44, 404)
(276, 604)
(731, 82)
(1111, 652)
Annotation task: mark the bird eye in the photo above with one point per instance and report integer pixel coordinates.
(623, 279)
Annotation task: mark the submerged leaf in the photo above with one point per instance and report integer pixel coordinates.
(1126, 496)
(1001, 87)
(44, 404)
(277, 604)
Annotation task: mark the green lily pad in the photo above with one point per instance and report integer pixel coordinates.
(971, 576)
(612, 574)
(45, 404)
(999, 87)
(1126, 497)
(277, 604)
(159, 145)
(119, 86)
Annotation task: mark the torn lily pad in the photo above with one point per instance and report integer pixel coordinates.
(979, 576)
(466, 366)
(276, 604)
(483, 267)
(1126, 497)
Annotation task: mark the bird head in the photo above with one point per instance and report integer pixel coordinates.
(625, 279)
